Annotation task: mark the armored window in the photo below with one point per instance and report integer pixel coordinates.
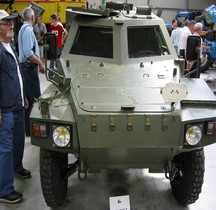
(146, 42)
(93, 41)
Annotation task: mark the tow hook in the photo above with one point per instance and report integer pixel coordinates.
(170, 170)
(71, 169)
(82, 171)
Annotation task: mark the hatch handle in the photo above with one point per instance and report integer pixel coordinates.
(127, 107)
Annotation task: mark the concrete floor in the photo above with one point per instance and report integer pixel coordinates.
(146, 191)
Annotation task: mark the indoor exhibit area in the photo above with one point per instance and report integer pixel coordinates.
(107, 105)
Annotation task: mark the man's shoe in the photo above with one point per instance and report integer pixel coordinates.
(24, 173)
(28, 135)
(14, 197)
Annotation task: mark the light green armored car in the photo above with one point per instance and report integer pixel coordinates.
(118, 100)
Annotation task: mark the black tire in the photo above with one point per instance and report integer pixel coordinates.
(206, 64)
(187, 183)
(54, 183)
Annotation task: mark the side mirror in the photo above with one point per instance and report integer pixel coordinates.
(50, 46)
(159, 12)
(193, 48)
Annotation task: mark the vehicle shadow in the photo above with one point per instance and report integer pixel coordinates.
(146, 191)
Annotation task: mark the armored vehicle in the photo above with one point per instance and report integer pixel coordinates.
(118, 100)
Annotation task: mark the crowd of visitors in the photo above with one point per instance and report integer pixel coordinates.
(179, 36)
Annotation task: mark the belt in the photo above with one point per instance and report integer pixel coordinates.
(29, 63)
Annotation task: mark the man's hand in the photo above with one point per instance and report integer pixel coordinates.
(26, 105)
(42, 68)
(189, 65)
(37, 61)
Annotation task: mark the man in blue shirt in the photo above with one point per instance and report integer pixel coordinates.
(29, 57)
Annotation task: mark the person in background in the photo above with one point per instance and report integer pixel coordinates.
(59, 20)
(175, 36)
(29, 57)
(186, 31)
(39, 31)
(198, 31)
(173, 26)
(191, 65)
(60, 32)
(12, 121)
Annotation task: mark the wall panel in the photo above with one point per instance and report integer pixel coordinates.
(170, 7)
(200, 4)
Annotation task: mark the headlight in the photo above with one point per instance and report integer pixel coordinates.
(193, 135)
(61, 136)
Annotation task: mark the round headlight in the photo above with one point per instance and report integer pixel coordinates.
(193, 135)
(61, 136)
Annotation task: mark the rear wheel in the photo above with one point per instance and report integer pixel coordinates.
(53, 166)
(188, 180)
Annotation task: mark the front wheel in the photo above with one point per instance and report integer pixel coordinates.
(187, 183)
(54, 182)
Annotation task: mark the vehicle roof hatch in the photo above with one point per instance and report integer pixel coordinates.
(92, 12)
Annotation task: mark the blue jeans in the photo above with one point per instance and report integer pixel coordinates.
(12, 139)
(32, 89)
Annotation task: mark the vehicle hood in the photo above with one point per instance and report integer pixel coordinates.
(102, 87)
(198, 92)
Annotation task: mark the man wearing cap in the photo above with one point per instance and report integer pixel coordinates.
(29, 57)
(11, 113)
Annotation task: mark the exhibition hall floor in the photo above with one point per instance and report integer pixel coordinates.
(146, 191)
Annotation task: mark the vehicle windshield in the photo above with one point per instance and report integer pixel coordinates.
(93, 41)
(145, 42)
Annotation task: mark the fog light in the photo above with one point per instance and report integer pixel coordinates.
(193, 135)
(61, 136)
